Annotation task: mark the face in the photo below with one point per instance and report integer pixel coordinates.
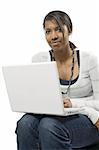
(54, 35)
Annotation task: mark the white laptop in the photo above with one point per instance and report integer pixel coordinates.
(35, 88)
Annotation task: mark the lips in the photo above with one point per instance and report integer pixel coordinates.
(55, 43)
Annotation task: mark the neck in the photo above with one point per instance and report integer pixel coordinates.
(63, 55)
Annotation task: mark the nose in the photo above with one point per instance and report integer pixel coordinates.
(54, 36)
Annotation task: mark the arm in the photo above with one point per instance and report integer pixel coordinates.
(41, 57)
(90, 112)
(92, 101)
(90, 104)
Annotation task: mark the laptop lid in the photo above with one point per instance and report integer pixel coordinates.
(34, 88)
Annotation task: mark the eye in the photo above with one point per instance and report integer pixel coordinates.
(47, 31)
(58, 29)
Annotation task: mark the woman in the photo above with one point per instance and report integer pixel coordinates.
(79, 81)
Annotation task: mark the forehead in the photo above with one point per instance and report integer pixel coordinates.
(51, 24)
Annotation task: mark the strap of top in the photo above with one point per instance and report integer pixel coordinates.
(51, 55)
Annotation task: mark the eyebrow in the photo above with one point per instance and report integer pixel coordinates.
(54, 28)
(47, 28)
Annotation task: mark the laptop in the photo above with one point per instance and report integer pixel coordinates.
(35, 88)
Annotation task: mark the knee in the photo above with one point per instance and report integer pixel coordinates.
(50, 128)
(25, 124)
(48, 125)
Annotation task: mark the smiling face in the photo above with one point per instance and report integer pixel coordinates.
(56, 39)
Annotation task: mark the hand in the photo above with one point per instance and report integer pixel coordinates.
(97, 124)
(67, 103)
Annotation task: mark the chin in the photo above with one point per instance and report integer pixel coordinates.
(55, 48)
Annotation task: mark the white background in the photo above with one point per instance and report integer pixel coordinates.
(21, 36)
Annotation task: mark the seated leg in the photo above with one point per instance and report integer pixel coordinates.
(27, 132)
(53, 135)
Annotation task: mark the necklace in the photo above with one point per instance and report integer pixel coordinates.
(66, 94)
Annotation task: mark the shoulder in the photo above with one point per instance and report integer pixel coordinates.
(89, 58)
(41, 57)
(84, 54)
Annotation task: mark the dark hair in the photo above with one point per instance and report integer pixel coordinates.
(61, 18)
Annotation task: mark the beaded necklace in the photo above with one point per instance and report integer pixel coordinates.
(72, 68)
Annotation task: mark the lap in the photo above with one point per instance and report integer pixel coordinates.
(81, 130)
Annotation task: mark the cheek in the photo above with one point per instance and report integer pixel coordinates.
(66, 34)
(47, 39)
(66, 37)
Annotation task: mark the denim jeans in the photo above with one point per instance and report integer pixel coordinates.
(35, 132)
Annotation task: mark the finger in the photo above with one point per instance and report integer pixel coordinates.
(66, 105)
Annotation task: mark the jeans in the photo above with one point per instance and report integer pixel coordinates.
(35, 132)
